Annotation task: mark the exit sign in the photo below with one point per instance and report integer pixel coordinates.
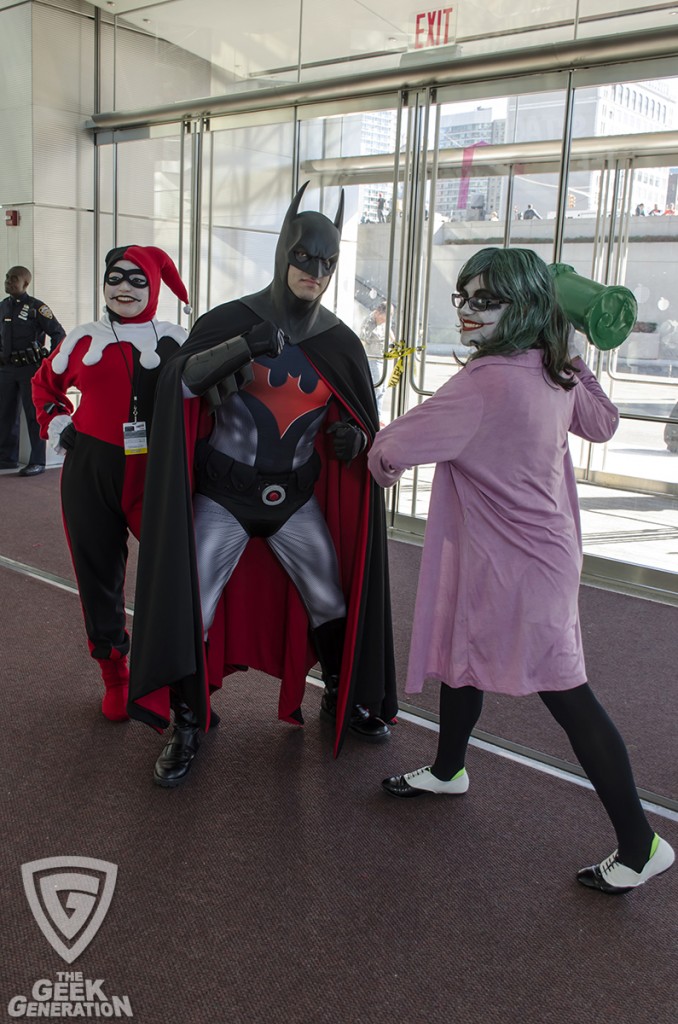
(435, 28)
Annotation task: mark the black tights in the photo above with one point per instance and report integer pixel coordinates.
(595, 740)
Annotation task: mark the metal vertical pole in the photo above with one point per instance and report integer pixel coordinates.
(564, 170)
(96, 170)
(183, 131)
(196, 208)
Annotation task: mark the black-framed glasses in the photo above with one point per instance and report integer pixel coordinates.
(116, 275)
(477, 305)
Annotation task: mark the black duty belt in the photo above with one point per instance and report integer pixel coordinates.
(31, 356)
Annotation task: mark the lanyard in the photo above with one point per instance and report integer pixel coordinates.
(133, 378)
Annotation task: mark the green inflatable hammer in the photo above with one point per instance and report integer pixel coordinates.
(604, 313)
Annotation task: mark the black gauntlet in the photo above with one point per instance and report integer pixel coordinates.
(265, 339)
(205, 369)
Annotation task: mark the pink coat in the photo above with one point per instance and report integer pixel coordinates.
(497, 602)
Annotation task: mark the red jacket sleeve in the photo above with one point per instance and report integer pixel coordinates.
(49, 394)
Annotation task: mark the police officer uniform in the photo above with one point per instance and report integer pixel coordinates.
(24, 323)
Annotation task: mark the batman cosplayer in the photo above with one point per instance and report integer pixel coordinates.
(263, 538)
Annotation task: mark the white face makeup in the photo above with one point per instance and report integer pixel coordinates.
(478, 326)
(124, 297)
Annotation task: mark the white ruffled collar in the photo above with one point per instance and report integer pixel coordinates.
(144, 337)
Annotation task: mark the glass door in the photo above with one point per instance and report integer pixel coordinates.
(247, 179)
(362, 148)
(146, 198)
(488, 174)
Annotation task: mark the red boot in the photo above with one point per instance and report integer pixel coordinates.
(115, 674)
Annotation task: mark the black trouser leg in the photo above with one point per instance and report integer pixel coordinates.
(9, 415)
(91, 488)
(602, 753)
(38, 446)
(329, 644)
(328, 640)
(460, 709)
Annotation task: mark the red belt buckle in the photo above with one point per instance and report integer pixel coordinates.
(273, 494)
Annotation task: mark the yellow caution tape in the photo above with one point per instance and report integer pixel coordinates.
(398, 352)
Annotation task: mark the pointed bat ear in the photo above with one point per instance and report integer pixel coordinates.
(339, 219)
(293, 208)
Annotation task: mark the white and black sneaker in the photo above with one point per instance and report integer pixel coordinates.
(424, 781)
(611, 876)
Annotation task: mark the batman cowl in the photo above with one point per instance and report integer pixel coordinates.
(309, 241)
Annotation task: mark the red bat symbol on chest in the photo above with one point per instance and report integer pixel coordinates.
(288, 402)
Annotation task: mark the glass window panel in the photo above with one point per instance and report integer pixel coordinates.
(479, 164)
(150, 203)
(106, 157)
(148, 179)
(617, 230)
(603, 17)
(643, 449)
(629, 526)
(347, 150)
(247, 184)
(352, 37)
(239, 41)
(154, 62)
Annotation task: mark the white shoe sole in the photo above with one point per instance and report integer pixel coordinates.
(423, 781)
(611, 876)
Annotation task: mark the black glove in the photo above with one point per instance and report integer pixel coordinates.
(265, 339)
(349, 440)
(67, 437)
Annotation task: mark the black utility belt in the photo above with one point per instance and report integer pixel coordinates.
(31, 356)
(261, 502)
(219, 474)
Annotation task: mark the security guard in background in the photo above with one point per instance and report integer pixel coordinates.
(24, 322)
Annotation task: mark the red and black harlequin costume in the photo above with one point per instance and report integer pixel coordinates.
(277, 412)
(115, 364)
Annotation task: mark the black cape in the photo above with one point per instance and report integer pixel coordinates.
(261, 622)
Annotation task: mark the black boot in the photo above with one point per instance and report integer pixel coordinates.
(367, 726)
(328, 702)
(361, 724)
(329, 643)
(177, 755)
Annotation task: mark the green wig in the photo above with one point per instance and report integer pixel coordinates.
(533, 319)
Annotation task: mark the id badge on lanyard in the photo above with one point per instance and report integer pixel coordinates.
(134, 438)
(134, 434)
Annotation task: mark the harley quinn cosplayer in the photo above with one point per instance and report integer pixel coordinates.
(115, 364)
(279, 558)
